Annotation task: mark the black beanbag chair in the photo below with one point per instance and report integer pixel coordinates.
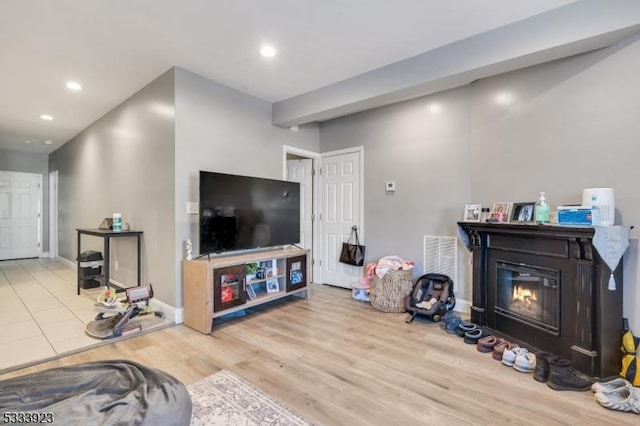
(102, 392)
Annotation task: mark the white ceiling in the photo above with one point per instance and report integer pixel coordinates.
(114, 48)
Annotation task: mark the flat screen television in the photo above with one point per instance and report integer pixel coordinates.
(242, 212)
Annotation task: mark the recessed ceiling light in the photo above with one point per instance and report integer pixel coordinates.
(267, 51)
(48, 142)
(27, 141)
(75, 86)
(46, 117)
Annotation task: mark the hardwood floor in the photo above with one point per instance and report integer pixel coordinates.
(338, 361)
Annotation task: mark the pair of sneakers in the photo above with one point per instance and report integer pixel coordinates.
(520, 359)
(617, 394)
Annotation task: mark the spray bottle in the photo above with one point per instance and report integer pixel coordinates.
(542, 210)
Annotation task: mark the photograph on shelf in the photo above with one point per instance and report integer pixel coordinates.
(250, 292)
(472, 212)
(500, 211)
(228, 279)
(296, 277)
(273, 286)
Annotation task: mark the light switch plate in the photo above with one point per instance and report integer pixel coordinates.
(192, 207)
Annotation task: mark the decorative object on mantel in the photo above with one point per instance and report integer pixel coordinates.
(472, 212)
(501, 211)
(541, 210)
(611, 242)
(522, 212)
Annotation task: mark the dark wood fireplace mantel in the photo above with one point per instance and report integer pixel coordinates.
(589, 315)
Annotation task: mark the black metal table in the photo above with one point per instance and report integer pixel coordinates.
(107, 234)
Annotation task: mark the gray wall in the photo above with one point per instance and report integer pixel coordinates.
(28, 162)
(573, 124)
(124, 163)
(222, 130)
(422, 145)
(142, 160)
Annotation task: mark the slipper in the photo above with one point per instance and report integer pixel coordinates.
(472, 337)
(464, 327)
(486, 344)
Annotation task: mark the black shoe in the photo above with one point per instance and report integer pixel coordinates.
(562, 376)
(541, 373)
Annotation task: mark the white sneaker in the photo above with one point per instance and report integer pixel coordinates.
(525, 362)
(624, 398)
(610, 385)
(509, 356)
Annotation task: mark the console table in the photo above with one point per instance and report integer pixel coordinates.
(106, 235)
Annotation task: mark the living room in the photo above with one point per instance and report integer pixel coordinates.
(558, 126)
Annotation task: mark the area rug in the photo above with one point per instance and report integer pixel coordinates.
(226, 399)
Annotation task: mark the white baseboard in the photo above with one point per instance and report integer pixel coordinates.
(172, 313)
(175, 315)
(69, 263)
(463, 306)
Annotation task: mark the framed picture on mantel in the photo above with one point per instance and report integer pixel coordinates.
(523, 212)
(500, 212)
(472, 212)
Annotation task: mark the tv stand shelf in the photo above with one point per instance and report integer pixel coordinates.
(218, 286)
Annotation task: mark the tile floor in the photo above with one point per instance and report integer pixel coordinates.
(41, 315)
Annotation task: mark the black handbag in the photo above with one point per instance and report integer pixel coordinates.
(352, 254)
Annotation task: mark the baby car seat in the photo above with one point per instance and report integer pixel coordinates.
(432, 296)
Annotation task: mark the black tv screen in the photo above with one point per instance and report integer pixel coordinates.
(242, 212)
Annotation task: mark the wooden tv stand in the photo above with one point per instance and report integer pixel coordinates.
(219, 286)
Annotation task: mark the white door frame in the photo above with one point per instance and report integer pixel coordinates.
(53, 214)
(361, 231)
(314, 156)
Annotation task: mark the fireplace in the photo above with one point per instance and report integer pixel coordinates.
(528, 294)
(545, 287)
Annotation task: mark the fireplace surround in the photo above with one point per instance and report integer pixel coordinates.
(545, 288)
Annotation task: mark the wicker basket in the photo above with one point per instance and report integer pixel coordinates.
(389, 293)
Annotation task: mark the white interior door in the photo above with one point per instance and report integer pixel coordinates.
(53, 214)
(302, 171)
(20, 226)
(341, 209)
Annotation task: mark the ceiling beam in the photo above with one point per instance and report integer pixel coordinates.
(576, 28)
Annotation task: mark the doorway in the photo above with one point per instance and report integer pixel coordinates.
(53, 214)
(341, 202)
(300, 166)
(20, 215)
(331, 203)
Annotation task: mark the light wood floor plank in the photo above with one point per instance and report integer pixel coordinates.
(337, 361)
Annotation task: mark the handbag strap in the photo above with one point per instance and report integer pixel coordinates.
(354, 231)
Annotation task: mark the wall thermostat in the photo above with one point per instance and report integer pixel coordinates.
(390, 186)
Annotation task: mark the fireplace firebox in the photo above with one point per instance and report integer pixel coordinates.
(545, 287)
(529, 294)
